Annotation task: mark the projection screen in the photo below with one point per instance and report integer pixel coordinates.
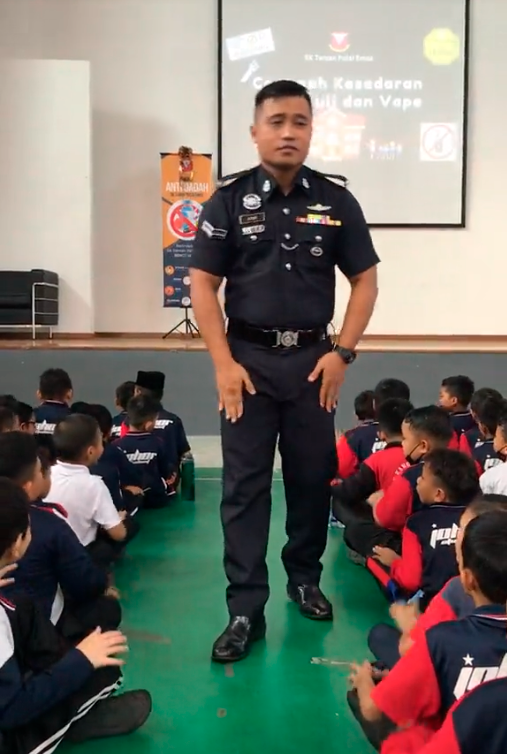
(388, 80)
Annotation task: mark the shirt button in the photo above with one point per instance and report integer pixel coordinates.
(253, 238)
(288, 266)
(318, 238)
(287, 236)
(286, 211)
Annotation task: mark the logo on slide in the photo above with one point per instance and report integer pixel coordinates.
(441, 47)
(339, 41)
(439, 142)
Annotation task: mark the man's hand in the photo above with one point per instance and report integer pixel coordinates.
(385, 555)
(332, 370)
(232, 380)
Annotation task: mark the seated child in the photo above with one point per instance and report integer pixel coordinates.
(358, 444)
(122, 478)
(483, 452)
(495, 479)
(376, 473)
(56, 570)
(387, 643)
(90, 509)
(455, 396)
(9, 421)
(453, 657)
(55, 393)
(468, 439)
(26, 418)
(168, 425)
(148, 451)
(124, 393)
(49, 693)
(423, 429)
(447, 484)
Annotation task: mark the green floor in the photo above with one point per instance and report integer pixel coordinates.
(276, 701)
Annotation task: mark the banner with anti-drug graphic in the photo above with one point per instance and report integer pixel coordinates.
(186, 182)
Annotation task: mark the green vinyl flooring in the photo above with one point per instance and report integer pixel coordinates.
(274, 702)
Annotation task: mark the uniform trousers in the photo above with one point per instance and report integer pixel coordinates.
(286, 409)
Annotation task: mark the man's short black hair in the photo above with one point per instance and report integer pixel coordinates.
(124, 393)
(489, 412)
(390, 388)
(24, 412)
(7, 419)
(280, 90)
(142, 409)
(102, 415)
(14, 514)
(431, 421)
(486, 502)
(363, 405)
(460, 387)
(485, 554)
(391, 414)
(456, 473)
(74, 435)
(482, 394)
(54, 384)
(18, 456)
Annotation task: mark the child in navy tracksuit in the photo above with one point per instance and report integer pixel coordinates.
(50, 692)
(447, 484)
(148, 452)
(124, 393)
(55, 393)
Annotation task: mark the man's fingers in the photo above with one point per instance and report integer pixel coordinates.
(249, 386)
(316, 373)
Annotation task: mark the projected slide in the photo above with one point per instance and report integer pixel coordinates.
(387, 80)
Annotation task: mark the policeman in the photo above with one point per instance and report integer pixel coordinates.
(276, 233)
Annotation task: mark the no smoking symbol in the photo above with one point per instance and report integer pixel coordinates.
(438, 142)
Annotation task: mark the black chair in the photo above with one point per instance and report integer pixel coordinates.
(29, 299)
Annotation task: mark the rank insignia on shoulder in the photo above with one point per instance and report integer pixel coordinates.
(339, 180)
(212, 232)
(228, 179)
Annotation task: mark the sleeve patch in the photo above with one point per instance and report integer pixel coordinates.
(212, 232)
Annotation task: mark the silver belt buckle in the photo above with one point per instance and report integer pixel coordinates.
(287, 339)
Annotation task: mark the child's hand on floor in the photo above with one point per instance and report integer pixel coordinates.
(385, 555)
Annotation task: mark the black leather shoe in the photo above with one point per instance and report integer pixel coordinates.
(311, 601)
(237, 639)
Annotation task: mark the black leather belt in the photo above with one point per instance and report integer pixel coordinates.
(276, 337)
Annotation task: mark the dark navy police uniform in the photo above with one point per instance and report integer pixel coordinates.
(278, 254)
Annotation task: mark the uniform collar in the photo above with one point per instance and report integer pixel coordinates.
(495, 611)
(266, 184)
(393, 444)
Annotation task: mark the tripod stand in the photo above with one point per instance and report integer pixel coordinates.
(189, 328)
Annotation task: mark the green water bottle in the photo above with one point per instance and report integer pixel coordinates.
(188, 477)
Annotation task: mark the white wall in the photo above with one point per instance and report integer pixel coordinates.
(45, 181)
(154, 87)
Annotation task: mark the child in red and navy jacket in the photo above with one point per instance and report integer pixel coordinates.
(423, 429)
(452, 658)
(447, 484)
(481, 447)
(468, 439)
(123, 394)
(350, 496)
(455, 396)
(358, 443)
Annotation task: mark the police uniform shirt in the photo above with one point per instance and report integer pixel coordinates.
(450, 660)
(47, 416)
(117, 472)
(279, 253)
(355, 446)
(55, 564)
(428, 554)
(148, 453)
(400, 499)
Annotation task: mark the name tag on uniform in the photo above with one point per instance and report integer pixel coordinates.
(252, 230)
(318, 220)
(258, 217)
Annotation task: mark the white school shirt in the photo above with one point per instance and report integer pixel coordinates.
(86, 499)
(494, 480)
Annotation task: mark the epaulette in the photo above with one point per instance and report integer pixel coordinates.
(228, 179)
(339, 180)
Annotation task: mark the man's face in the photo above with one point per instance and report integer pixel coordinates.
(282, 132)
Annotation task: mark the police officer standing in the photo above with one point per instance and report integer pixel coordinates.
(276, 233)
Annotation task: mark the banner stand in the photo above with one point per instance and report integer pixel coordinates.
(189, 327)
